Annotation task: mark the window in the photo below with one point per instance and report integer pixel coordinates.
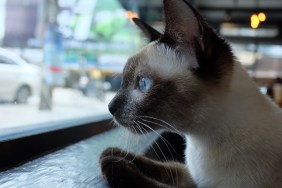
(60, 65)
(69, 54)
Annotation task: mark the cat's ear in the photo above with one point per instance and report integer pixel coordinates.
(149, 32)
(182, 21)
(185, 28)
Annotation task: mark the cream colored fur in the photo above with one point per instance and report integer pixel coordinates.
(240, 144)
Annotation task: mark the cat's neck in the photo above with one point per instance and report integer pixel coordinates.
(239, 111)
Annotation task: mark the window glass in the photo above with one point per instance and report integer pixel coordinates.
(71, 55)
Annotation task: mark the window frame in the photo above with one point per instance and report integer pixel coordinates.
(25, 145)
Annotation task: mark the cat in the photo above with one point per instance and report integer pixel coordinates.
(186, 80)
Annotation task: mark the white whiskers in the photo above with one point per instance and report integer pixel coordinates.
(141, 127)
(170, 127)
(139, 122)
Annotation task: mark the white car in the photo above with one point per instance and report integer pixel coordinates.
(18, 79)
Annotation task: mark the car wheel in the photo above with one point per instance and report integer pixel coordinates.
(22, 94)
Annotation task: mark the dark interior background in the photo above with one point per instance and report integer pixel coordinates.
(217, 12)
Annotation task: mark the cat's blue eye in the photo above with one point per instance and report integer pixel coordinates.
(145, 84)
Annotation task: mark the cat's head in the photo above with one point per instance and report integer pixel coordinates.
(171, 79)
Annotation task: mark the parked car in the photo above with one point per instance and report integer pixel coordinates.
(18, 79)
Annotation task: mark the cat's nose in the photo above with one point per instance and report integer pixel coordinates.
(113, 106)
(117, 103)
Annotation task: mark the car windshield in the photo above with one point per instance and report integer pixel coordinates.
(61, 60)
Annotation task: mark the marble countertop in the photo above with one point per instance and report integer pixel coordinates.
(74, 166)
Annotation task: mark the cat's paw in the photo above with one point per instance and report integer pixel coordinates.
(118, 153)
(118, 172)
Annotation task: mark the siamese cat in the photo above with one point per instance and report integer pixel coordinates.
(187, 80)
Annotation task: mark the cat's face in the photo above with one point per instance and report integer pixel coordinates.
(168, 80)
(157, 86)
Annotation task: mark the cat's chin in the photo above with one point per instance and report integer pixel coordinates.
(131, 127)
(117, 122)
(123, 122)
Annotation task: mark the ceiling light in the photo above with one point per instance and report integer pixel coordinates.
(255, 21)
(235, 30)
(261, 16)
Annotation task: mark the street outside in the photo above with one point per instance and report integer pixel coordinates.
(67, 104)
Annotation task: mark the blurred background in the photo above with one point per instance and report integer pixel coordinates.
(62, 59)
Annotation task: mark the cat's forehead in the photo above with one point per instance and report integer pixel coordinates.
(161, 60)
